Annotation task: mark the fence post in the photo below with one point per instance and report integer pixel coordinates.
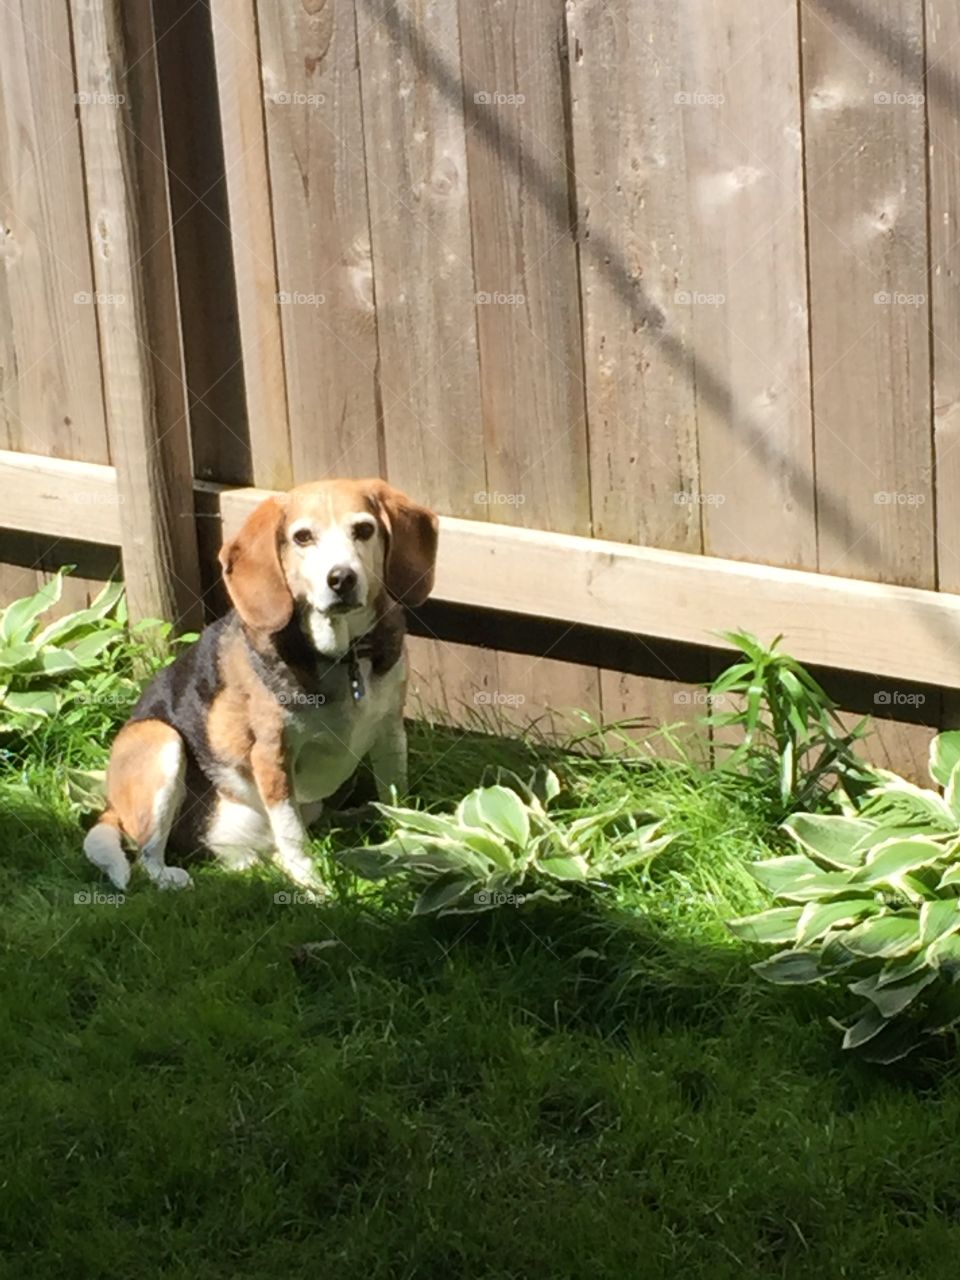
(134, 274)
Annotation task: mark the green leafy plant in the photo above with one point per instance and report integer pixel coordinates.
(792, 734)
(38, 662)
(502, 845)
(871, 899)
(66, 684)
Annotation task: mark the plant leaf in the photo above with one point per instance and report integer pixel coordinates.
(885, 935)
(503, 812)
(572, 868)
(777, 925)
(444, 893)
(891, 860)
(894, 998)
(819, 918)
(830, 838)
(38, 702)
(791, 968)
(938, 918)
(865, 1028)
(16, 621)
(944, 756)
(777, 873)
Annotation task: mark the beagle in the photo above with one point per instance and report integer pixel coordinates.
(235, 745)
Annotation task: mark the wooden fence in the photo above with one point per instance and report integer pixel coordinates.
(655, 300)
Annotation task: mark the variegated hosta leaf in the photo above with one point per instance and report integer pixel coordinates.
(835, 841)
(499, 809)
(884, 935)
(791, 968)
(777, 925)
(894, 998)
(818, 918)
(888, 862)
(944, 756)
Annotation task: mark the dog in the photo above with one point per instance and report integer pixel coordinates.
(236, 744)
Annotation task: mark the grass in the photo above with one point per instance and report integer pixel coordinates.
(213, 1084)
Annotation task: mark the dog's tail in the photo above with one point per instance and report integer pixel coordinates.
(104, 849)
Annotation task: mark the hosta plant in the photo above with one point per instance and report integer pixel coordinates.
(503, 844)
(38, 661)
(871, 899)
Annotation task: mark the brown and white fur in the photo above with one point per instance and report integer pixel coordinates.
(235, 745)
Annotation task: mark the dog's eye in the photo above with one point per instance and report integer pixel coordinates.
(363, 531)
(302, 537)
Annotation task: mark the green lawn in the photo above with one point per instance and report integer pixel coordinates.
(214, 1085)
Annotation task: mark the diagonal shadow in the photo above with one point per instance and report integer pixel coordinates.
(827, 506)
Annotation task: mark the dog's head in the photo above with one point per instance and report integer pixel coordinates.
(332, 546)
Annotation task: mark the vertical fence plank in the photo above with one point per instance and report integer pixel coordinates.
(134, 273)
(747, 289)
(423, 271)
(51, 401)
(626, 72)
(866, 177)
(219, 430)
(525, 275)
(324, 269)
(943, 116)
(416, 156)
(237, 50)
(865, 130)
(943, 108)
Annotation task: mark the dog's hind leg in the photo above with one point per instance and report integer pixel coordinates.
(145, 788)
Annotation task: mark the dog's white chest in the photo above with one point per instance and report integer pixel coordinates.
(326, 741)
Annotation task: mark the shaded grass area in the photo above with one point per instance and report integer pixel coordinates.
(215, 1084)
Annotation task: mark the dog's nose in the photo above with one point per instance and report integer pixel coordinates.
(341, 579)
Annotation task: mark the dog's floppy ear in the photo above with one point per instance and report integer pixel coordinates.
(411, 544)
(252, 570)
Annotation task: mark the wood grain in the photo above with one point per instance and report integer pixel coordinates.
(429, 376)
(315, 143)
(626, 67)
(135, 280)
(747, 286)
(525, 273)
(866, 179)
(236, 45)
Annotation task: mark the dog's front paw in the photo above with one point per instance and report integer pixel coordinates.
(173, 878)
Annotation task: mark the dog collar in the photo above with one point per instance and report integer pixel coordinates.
(361, 648)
